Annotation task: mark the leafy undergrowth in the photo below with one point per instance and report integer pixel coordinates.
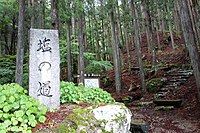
(19, 112)
(80, 94)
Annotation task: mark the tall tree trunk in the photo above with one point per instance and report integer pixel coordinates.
(125, 11)
(194, 21)
(115, 48)
(97, 46)
(118, 31)
(190, 41)
(169, 22)
(163, 21)
(144, 16)
(81, 49)
(149, 32)
(157, 24)
(69, 75)
(20, 44)
(138, 47)
(41, 13)
(32, 4)
(13, 36)
(54, 14)
(109, 57)
(177, 23)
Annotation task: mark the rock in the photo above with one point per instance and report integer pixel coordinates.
(44, 67)
(117, 118)
(139, 126)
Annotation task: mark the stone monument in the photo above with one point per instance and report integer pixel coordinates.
(44, 67)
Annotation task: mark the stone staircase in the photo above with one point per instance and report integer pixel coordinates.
(173, 79)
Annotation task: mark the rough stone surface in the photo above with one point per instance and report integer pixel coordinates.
(117, 117)
(44, 67)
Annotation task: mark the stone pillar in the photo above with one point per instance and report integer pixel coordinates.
(44, 67)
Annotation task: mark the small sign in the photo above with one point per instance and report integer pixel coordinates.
(91, 82)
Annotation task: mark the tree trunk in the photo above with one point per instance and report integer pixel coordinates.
(169, 22)
(125, 11)
(97, 46)
(81, 49)
(194, 21)
(54, 14)
(32, 4)
(41, 13)
(144, 16)
(189, 37)
(115, 49)
(149, 32)
(177, 23)
(118, 33)
(20, 44)
(163, 21)
(69, 75)
(138, 47)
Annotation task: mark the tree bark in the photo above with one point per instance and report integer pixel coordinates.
(69, 75)
(32, 4)
(54, 14)
(169, 23)
(115, 49)
(20, 44)
(189, 37)
(138, 47)
(177, 23)
(163, 21)
(149, 32)
(194, 21)
(125, 11)
(81, 49)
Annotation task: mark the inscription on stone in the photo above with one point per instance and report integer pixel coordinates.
(44, 67)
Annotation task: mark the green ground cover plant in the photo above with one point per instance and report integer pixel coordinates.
(77, 94)
(18, 111)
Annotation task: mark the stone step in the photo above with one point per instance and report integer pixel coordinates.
(177, 80)
(160, 95)
(180, 74)
(180, 77)
(166, 102)
(165, 89)
(164, 108)
(172, 84)
(185, 71)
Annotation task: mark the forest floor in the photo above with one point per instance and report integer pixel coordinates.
(156, 119)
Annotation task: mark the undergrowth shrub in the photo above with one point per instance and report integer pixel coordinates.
(7, 70)
(98, 67)
(18, 111)
(154, 85)
(78, 94)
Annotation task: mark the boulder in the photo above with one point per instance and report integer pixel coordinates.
(115, 118)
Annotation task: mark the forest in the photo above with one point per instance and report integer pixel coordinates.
(144, 52)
